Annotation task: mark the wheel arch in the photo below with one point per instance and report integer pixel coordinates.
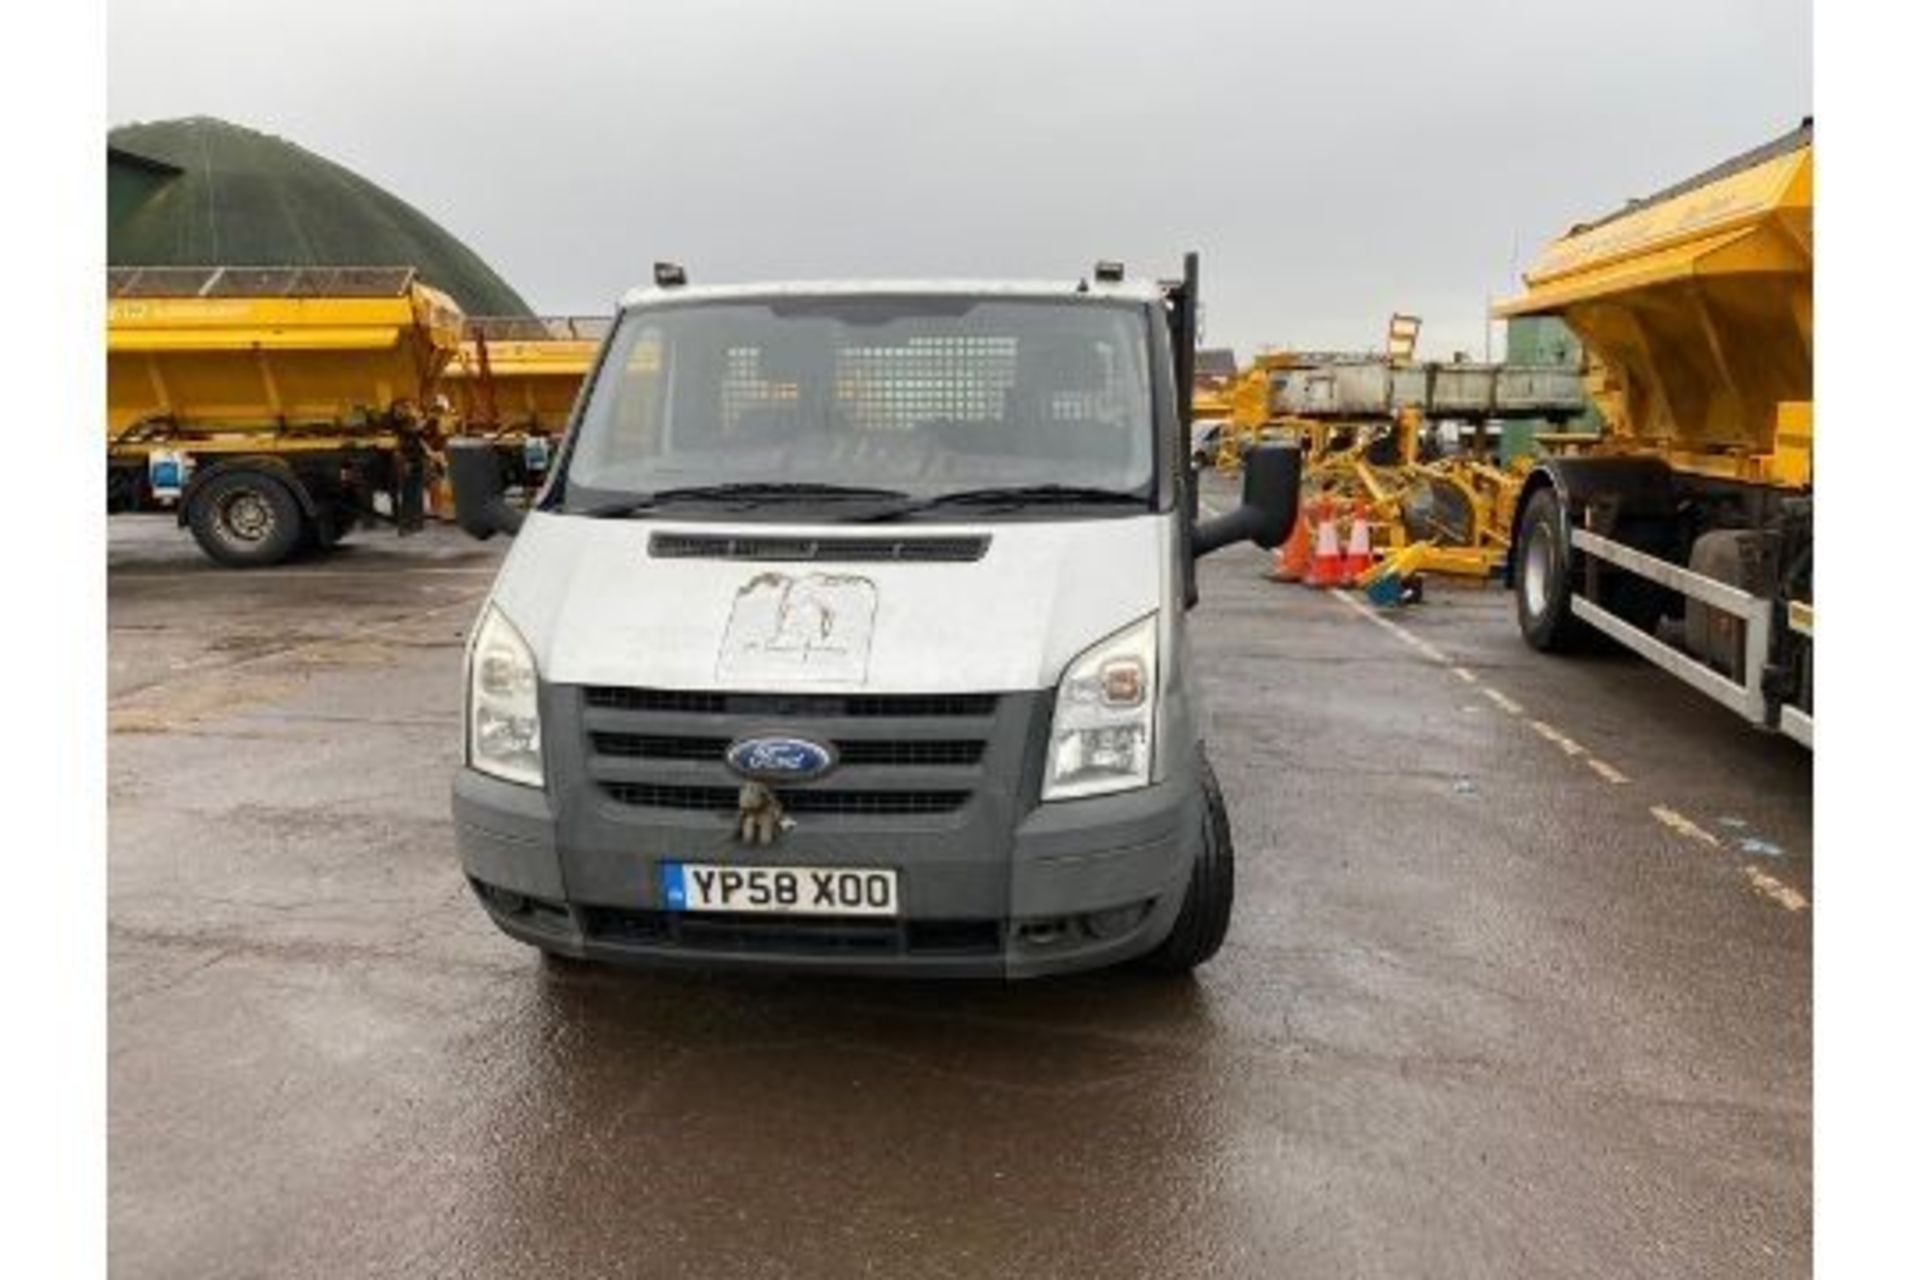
(1635, 486)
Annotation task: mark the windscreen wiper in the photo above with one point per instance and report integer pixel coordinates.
(1013, 496)
(749, 491)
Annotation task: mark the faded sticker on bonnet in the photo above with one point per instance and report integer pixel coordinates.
(815, 626)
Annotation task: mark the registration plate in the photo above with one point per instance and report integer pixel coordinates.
(800, 891)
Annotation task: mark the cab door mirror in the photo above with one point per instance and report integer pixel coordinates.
(1269, 500)
(480, 503)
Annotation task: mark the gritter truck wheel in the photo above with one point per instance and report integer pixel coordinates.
(1543, 577)
(245, 520)
(1207, 909)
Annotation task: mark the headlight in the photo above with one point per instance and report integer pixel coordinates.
(1103, 717)
(503, 712)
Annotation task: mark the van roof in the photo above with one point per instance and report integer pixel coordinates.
(1135, 290)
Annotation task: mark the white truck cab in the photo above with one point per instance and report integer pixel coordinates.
(850, 634)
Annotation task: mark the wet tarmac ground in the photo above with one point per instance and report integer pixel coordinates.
(1518, 984)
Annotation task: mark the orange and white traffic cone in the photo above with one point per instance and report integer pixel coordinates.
(1359, 548)
(1327, 562)
(1290, 557)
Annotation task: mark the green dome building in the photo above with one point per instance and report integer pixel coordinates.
(202, 192)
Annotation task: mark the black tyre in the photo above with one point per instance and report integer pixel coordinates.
(1543, 577)
(246, 519)
(1207, 909)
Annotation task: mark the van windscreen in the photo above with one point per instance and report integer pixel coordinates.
(915, 395)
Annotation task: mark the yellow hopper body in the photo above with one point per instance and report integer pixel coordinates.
(1697, 304)
(268, 356)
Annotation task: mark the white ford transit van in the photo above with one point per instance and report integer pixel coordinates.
(850, 634)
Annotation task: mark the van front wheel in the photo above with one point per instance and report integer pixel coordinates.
(1207, 909)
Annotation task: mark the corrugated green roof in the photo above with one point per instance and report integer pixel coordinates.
(244, 198)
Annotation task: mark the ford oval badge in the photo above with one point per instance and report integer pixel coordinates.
(779, 759)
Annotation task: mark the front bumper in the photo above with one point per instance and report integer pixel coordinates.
(1080, 884)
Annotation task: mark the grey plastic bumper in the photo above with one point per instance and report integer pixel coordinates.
(1129, 854)
(505, 835)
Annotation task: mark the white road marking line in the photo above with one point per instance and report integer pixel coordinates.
(1784, 894)
(1781, 893)
(1405, 636)
(1429, 650)
(1501, 700)
(1346, 598)
(1680, 822)
(1606, 770)
(1557, 738)
(1418, 642)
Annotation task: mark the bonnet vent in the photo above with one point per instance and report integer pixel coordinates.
(723, 546)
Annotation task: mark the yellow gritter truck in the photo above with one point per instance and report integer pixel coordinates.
(1686, 535)
(274, 407)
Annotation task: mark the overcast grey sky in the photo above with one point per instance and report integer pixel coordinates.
(1333, 162)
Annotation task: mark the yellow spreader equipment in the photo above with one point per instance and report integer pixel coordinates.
(1365, 424)
(521, 374)
(514, 381)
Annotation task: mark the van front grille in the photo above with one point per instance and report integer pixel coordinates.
(896, 755)
(656, 795)
(905, 751)
(691, 703)
(654, 746)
